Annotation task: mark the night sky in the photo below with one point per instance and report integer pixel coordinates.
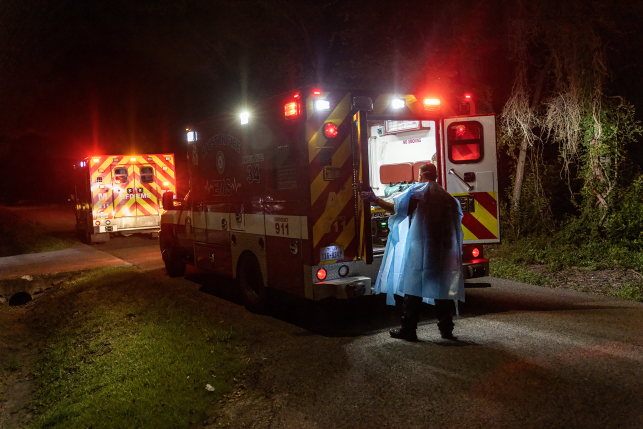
(95, 77)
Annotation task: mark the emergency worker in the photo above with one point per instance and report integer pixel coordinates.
(423, 256)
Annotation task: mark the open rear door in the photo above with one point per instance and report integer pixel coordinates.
(471, 173)
(362, 176)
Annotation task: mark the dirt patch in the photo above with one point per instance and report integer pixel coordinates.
(603, 282)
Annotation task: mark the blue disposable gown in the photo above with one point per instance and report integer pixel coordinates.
(424, 259)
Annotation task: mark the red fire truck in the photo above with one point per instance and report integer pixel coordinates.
(119, 194)
(274, 192)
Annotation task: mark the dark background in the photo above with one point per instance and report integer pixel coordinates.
(79, 78)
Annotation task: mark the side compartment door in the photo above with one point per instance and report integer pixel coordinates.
(471, 172)
(361, 171)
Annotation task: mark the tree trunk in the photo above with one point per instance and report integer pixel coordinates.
(522, 156)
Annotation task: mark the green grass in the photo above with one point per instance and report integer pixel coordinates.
(20, 236)
(126, 352)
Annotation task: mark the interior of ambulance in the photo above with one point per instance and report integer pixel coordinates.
(397, 150)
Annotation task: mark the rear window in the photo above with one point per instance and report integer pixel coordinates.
(465, 142)
(147, 175)
(120, 176)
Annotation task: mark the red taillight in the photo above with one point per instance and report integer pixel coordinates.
(97, 223)
(330, 130)
(321, 274)
(291, 110)
(475, 252)
(316, 91)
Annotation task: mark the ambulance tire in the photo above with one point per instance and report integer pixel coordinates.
(174, 266)
(251, 284)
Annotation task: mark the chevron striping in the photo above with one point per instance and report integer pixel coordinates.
(337, 116)
(332, 211)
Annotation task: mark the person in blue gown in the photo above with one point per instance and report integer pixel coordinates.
(423, 256)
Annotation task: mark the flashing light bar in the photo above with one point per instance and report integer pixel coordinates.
(291, 110)
(245, 118)
(322, 105)
(431, 104)
(398, 103)
(191, 136)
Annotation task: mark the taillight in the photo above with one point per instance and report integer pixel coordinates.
(330, 130)
(475, 252)
(321, 274)
(291, 110)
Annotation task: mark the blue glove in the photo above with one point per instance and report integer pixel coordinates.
(369, 196)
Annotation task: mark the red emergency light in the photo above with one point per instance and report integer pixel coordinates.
(330, 130)
(316, 91)
(291, 110)
(431, 104)
(467, 96)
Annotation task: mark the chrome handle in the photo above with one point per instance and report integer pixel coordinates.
(469, 187)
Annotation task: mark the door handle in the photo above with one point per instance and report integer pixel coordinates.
(469, 187)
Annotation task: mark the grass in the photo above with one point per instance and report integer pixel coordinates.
(125, 350)
(20, 236)
(511, 260)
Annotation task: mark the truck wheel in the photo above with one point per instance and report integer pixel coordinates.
(173, 264)
(251, 284)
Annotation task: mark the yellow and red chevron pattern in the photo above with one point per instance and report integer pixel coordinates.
(482, 222)
(332, 202)
(130, 185)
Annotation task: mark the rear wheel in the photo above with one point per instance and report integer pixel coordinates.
(173, 263)
(251, 283)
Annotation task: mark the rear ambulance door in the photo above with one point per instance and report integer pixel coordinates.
(146, 190)
(361, 171)
(470, 168)
(124, 191)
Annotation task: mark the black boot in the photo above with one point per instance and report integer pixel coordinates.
(406, 334)
(445, 319)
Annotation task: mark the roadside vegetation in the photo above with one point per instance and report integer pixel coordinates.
(19, 236)
(123, 349)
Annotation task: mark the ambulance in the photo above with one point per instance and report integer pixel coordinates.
(120, 194)
(274, 199)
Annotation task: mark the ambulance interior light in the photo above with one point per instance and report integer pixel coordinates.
(245, 117)
(397, 103)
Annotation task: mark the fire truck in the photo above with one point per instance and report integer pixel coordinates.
(120, 194)
(274, 191)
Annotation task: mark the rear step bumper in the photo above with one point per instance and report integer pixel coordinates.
(344, 288)
(476, 268)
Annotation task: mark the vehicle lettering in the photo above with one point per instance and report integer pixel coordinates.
(410, 141)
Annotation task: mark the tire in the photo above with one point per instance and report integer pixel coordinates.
(173, 264)
(251, 284)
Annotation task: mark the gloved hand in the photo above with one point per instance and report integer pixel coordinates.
(369, 196)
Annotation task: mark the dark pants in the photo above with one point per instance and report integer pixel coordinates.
(411, 313)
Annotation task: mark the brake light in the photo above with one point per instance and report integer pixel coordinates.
(321, 274)
(291, 109)
(475, 252)
(330, 130)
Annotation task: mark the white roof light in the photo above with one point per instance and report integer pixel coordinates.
(397, 103)
(321, 105)
(191, 136)
(245, 116)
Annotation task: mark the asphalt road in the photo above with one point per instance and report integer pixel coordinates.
(527, 357)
